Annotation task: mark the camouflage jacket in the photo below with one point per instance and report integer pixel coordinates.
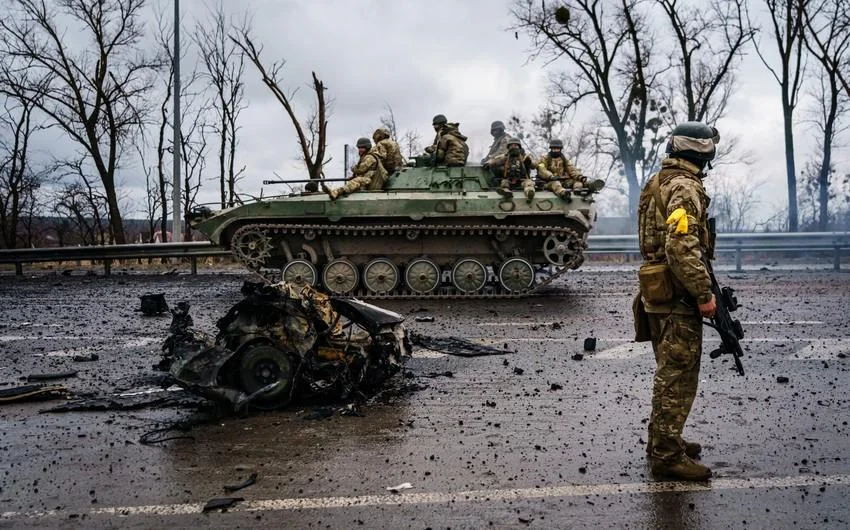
(370, 166)
(498, 149)
(554, 167)
(677, 186)
(451, 148)
(517, 168)
(388, 151)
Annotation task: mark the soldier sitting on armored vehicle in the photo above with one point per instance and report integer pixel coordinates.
(369, 173)
(387, 151)
(558, 173)
(500, 143)
(515, 168)
(449, 147)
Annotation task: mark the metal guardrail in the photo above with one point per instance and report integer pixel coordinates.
(834, 242)
(738, 244)
(108, 253)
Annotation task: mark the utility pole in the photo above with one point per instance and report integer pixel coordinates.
(176, 223)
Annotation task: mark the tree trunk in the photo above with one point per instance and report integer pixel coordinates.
(790, 171)
(116, 225)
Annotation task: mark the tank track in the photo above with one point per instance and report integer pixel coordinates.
(543, 275)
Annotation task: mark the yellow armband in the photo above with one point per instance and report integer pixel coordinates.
(680, 217)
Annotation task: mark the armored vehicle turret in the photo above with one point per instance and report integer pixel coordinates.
(431, 232)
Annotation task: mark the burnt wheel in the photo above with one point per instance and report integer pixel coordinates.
(262, 365)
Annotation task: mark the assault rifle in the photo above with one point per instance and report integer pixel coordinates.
(730, 329)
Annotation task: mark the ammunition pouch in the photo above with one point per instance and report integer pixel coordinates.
(657, 285)
(642, 328)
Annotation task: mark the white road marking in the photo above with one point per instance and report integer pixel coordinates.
(132, 343)
(746, 322)
(567, 490)
(424, 353)
(783, 322)
(823, 349)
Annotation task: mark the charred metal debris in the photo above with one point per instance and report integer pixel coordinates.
(284, 341)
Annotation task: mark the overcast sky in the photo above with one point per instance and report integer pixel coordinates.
(428, 57)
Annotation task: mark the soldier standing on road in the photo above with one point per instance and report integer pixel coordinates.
(675, 291)
(560, 174)
(387, 150)
(449, 147)
(515, 172)
(368, 173)
(500, 143)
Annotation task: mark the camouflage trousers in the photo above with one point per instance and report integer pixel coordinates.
(526, 184)
(555, 187)
(677, 344)
(355, 184)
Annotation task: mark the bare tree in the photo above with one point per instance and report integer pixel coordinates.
(18, 182)
(709, 41)
(733, 200)
(787, 31)
(829, 43)
(84, 206)
(411, 142)
(152, 206)
(609, 48)
(388, 120)
(312, 148)
(96, 95)
(224, 67)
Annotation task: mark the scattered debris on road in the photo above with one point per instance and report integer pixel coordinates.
(400, 487)
(153, 304)
(590, 344)
(250, 481)
(455, 346)
(51, 376)
(32, 393)
(221, 503)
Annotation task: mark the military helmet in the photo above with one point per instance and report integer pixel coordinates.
(364, 143)
(379, 134)
(555, 142)
(513, 141)
(694, 140)
(439, 119)
(497, 125)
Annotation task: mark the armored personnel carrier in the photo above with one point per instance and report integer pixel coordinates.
(431, 232)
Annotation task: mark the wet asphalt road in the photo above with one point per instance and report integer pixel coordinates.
(529, 439)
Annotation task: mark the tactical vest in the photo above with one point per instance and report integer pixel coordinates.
(652, 217)
(515, 169)
(557, 165)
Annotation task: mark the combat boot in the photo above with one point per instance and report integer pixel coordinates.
(692, 449)
(529, 194)
(565, 194)
(681, 467)
(504, 192)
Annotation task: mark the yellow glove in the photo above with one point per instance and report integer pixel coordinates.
(680, 217)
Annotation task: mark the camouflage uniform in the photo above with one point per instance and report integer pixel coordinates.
(449, 147)
(387, 150)
(675, 328)
(516, 173)
(498, 149)
(553, 169)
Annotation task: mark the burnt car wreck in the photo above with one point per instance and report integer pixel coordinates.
(284, 341)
